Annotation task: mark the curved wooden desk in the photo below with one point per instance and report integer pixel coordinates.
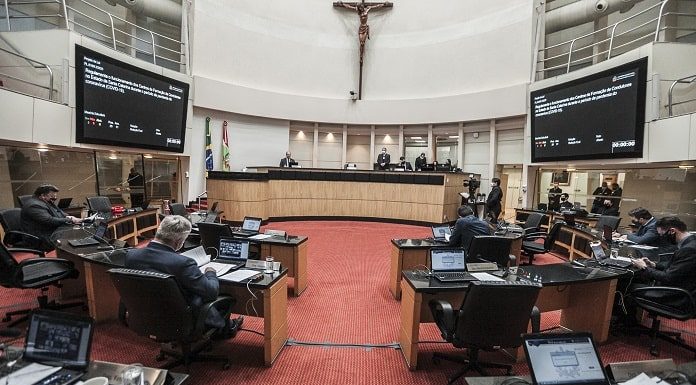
(286, 193)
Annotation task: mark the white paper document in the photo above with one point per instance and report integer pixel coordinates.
(29, 374)
(220, 268)
(643, 247)
(486, 277)
(642, 379)
(240, 275)
(198, 254)
(261, 236)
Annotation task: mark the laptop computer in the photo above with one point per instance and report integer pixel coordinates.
(449, 265)
(64, 203)
(601, 257)
(441, 233)
(56, 349)
(92, 240)
(250, 227)
(236, 251)
(144, 206)
(563, 359)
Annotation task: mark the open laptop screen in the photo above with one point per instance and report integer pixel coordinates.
(233, 249)
(560, 359)
(444, 260)
(441, 231)
(253, 224)
(60, 339)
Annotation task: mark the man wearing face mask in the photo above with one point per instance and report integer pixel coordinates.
(420, 162)
(41, 217)
(383, 160)
(565, 205)
(160, 255)
(647, 232)
(494, 198)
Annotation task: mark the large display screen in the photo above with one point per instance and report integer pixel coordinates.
(600, 116)
(123, 105)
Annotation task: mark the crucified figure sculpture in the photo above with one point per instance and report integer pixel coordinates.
(362, 8)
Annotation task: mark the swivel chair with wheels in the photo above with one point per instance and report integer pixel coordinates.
(99, 204)
(155, 307)
(665, 302)
(23, 199)
(11, 221)
(533, 223)
(490, 248)
(178, 209)
(531, 248)
(492, 316)
(34, 273)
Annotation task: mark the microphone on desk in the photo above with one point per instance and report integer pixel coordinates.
(577, 263)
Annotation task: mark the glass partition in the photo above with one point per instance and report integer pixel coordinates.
(161, 179)
(119, 177)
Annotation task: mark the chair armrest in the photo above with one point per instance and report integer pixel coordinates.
(512, 260)
(535, 319)
(444, 317)
(14, 236)
(38, 253)
(223, 303)
(65, 269)
(652, 298)
(532, 237)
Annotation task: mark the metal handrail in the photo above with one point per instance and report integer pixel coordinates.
(572, 44)
(671, 88)
(112, 41)
(41, 65)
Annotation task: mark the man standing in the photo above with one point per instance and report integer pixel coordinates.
(41, 217)
(136, 184)
(609, 208)
(160, 255)
(466, 227)
(287, 161)
(597, 202)
(421, 161)
(383, 160)
(494, 198)
(555, 197)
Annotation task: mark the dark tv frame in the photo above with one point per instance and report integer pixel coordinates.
(639, 129)
(80, 52)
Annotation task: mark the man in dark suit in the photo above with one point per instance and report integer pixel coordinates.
(466, 227)
(287, 161)
(565, 204)
(404, 164)
(647, 232)
(160, 255)
(136, 184)
(383, 160)
(678, 271)
(494, 198)
(555, 197)
(609, 208)
(598, 192)
(421, 161)
(41, 217)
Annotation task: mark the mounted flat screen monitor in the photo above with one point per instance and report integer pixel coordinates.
(600, 116)
(122, 105)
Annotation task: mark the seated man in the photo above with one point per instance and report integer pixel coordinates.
(466, 227)
(678, 271)
(41, 217)
(160, 255)
(647, 232)
(404, 164)
(565, 205)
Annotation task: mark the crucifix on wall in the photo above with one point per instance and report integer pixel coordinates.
(362, 8)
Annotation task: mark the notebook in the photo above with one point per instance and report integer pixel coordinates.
(93, 240)
(449, 265)
(441, 233)
(56, 349)
(563, 359)
(64, 203)
(250, 227)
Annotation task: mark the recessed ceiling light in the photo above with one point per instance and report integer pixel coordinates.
(42, 149)
(147, 156)
(416, 137)
(454, 136)
(686, 166)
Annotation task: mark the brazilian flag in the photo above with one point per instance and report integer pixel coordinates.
(208, 148)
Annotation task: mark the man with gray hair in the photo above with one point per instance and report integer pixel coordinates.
(161, 256)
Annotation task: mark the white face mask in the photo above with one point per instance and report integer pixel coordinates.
(492, 184)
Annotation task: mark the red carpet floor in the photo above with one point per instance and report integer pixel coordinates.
(347, 301)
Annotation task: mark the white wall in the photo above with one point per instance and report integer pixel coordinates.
(358, 151)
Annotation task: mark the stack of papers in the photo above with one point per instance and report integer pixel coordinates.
(486, 277)
(203, 261)
(240, 275)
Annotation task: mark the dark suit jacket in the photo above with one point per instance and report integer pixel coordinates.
(42, 219)
(646, 234)
(465, 229)
(680, 271)
(420, 163)
(612, 211)
(494, 198)
(406, 166)
(198, 288)
(383, 158)
(287, 163)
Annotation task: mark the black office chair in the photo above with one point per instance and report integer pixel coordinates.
(607, 220)
(34, 273)
(178, 209)
(489, 248)
(11, 222)
(531, 248)
(211, 233)
(666, 302)
(99, 204)
(156, 307)
(493, 315)
(533, 223)
(23, 199)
